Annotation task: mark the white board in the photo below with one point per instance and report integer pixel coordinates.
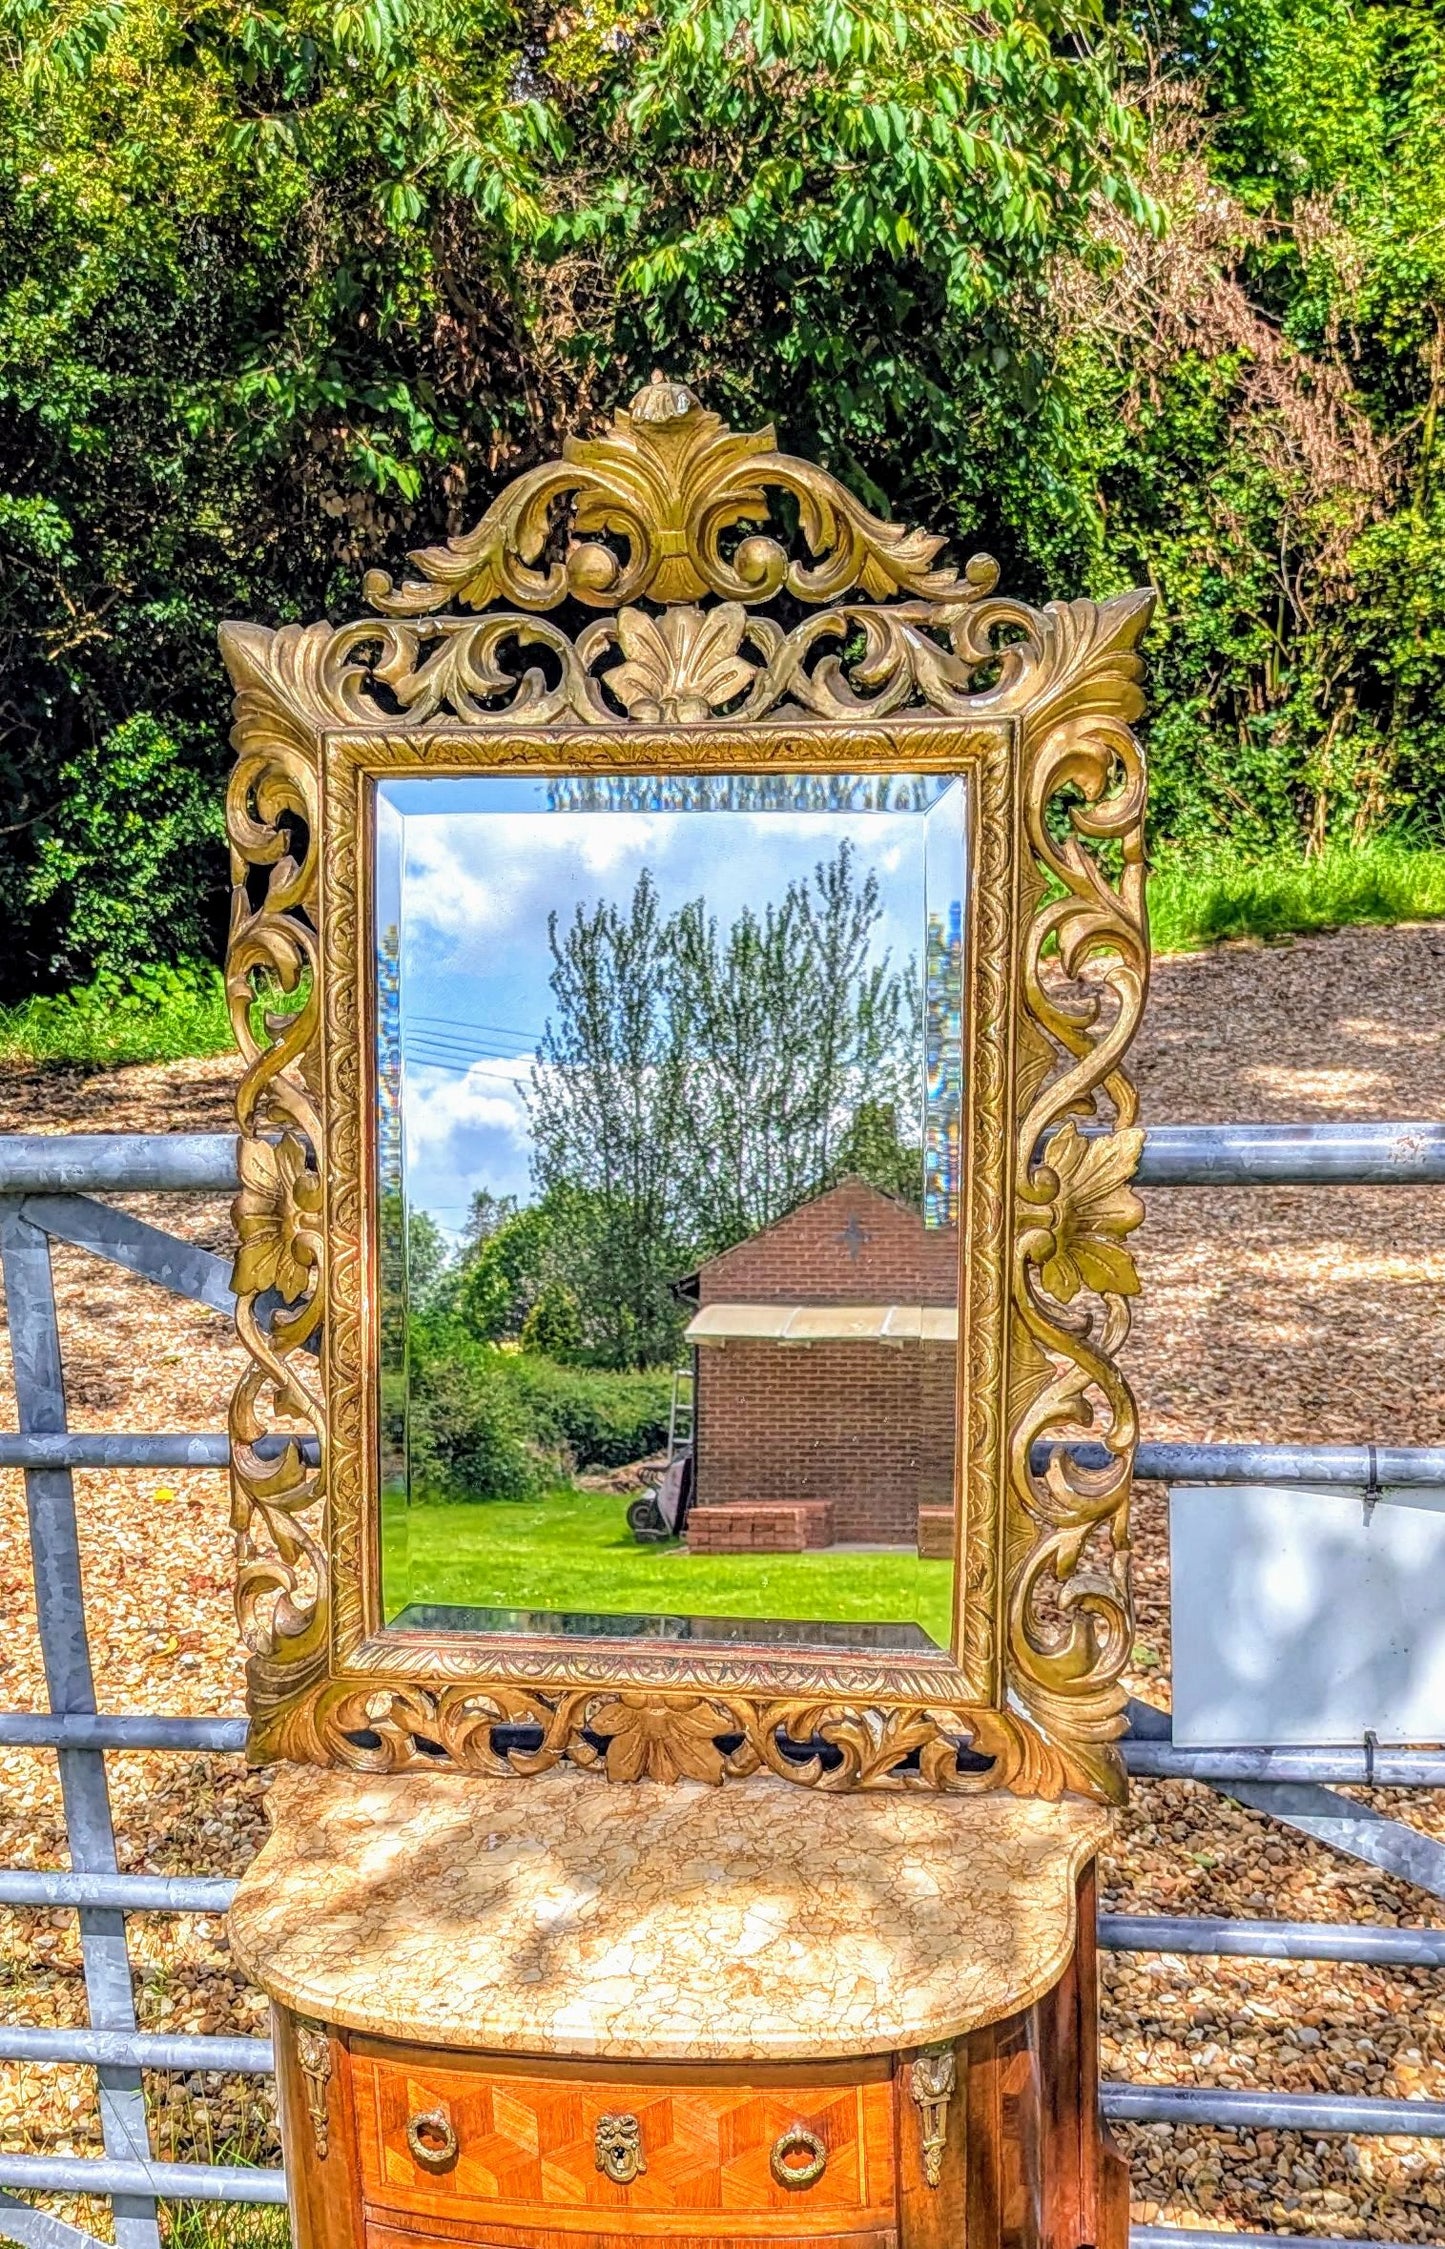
(1296, 1621)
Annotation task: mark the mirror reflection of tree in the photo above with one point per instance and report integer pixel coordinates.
(695, 1081)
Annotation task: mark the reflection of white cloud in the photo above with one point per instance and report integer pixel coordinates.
(480, 886)
(465, 874)
(474, 883)
(454, 885)
(465, 1132)
(443, 1108)
(601, 844)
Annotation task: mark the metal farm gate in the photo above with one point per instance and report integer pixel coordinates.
(43, 1197)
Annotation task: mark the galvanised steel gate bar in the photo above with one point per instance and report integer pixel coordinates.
(44, 1730)
(133, 1893)
(126, 2180)
(1172, 2237)
(1147, 1757)
(40, 1181)
(1273, 1940)
(21, 2042)
(1350, 1465)
(1248, 2111)
(1232, 1155)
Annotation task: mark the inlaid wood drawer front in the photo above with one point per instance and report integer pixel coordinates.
(541, 2148)
(544, 2233)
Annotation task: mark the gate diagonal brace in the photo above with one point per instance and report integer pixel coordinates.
(37, 2229)
(1356, 1830)
(122, 1239)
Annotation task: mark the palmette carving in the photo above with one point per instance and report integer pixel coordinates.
(931, 671)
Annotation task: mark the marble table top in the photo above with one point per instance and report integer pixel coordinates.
(564, 1915)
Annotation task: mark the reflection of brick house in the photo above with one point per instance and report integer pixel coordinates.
(826, 1349)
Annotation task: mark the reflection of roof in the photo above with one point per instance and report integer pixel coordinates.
(852, 1244)
(824, 1323)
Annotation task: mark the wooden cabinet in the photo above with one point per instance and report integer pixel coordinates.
(602, 2152)
(993, 2142)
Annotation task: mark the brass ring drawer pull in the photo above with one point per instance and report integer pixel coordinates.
(432, 2138)
(787, 2147)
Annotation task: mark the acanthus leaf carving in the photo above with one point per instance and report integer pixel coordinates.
(389, 1727)
(670, 480)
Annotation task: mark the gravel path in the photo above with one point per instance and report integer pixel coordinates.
(1287, 1314)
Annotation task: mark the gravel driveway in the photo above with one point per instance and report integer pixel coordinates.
(1288, 1314)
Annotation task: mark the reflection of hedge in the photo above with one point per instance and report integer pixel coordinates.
(469, 1435)
(598, 1418)
(495, 1424)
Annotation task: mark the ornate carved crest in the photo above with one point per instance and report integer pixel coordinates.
(752, 611)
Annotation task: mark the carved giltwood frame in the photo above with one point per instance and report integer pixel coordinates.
(924, 668)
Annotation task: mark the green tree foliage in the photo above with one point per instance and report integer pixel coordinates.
(692, 1085)
(288, 284)
(120, 853)
(1269, 454)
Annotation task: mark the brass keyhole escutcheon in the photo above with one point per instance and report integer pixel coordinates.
(618, 2142)
(432, 2138)
(788, 2147)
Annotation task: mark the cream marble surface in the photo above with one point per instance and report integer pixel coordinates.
(566, 1916)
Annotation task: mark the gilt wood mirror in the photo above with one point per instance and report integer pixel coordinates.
(685, 945)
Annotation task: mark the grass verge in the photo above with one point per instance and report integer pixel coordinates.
(1197, 900)
(158, 1015)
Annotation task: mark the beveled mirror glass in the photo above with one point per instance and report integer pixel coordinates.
(684, 949)
(669, 1074)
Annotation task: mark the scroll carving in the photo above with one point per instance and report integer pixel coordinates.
(667, 525)
(667, 481)
(273, 984)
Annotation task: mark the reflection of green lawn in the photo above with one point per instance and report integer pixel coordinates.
(573, 1550)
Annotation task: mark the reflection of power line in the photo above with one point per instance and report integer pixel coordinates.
(461, 1035)
(465, 1023)
(464, 1041)
(468, 1049)
(462, 1069)
(462, 1050)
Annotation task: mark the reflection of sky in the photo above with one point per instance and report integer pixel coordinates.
(470, 871)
